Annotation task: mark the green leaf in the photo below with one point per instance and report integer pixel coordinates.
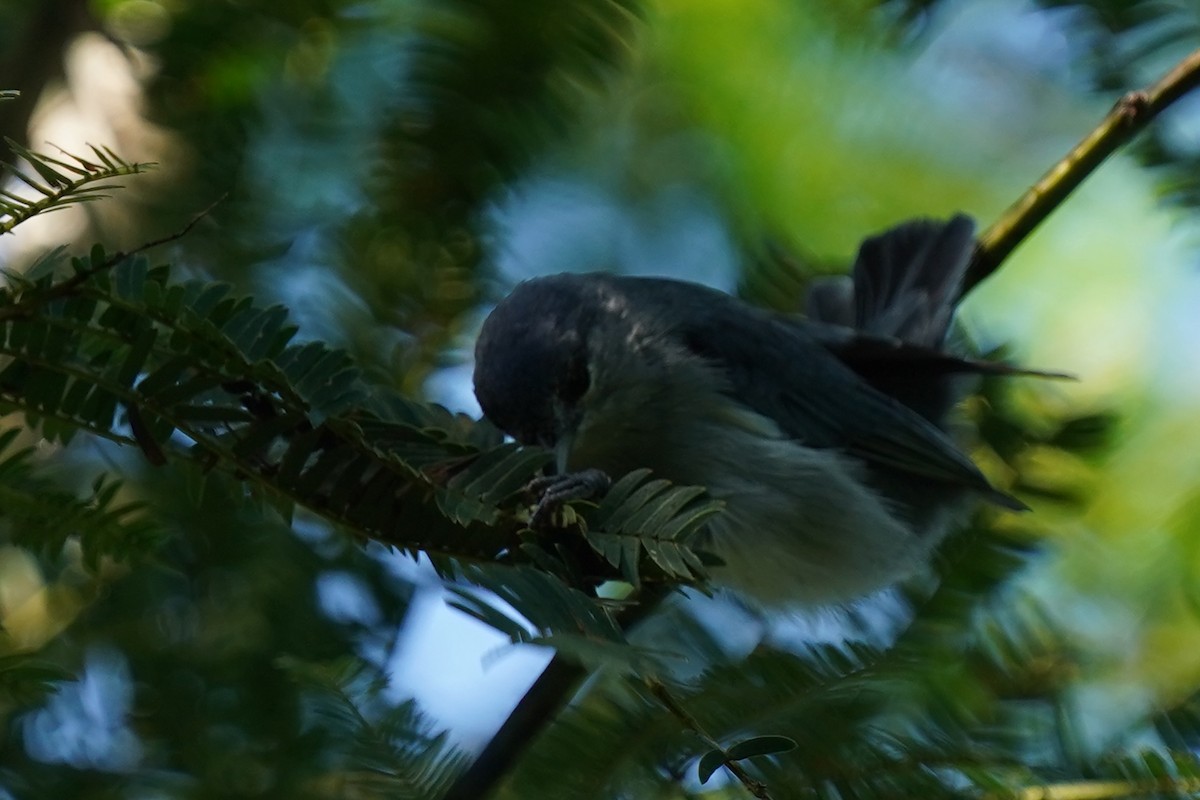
(652, 516)
(620, 491)
(498, 473)
(760, 746)
(139, 350)
(129, 278)
(25, 680)
(206, 298)
(489, 615)
(710, 762)
(48, 263)
(164, 375)
(45, 389)
(67, 180)
(545, 602)
(622, 657)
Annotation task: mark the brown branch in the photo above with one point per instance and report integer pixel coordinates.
(1131, 113)
(537, 709)
(117, 258)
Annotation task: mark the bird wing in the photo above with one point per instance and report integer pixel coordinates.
(867, 353)
(899, 303)
(780, 370)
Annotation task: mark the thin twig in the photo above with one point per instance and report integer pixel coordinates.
(117, 258)
(1131, 113)
(660, 691)
(75, 281)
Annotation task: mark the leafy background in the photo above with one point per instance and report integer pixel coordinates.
(392, 167)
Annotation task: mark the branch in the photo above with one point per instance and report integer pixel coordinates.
(1104, 790)
(1131, 113)
(536, 710)
(171, 237)
(757, 788)
(117, 258)
(71, 285)
(541, 703)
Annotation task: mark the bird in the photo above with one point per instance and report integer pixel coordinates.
(824, 434)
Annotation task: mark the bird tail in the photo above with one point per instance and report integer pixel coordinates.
(888, 320)
(905, 283)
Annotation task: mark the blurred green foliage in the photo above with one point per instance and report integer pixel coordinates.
(390, 166)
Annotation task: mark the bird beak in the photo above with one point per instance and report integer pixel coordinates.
(562, 451)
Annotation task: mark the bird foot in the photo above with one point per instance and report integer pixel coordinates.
(554, 490)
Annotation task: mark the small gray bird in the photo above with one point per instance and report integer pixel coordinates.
(821, 435)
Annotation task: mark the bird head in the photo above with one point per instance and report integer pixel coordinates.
(531, 360)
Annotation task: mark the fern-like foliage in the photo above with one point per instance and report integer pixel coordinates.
(960, 706)
(973, 699)
(641, 524)
(637, 514)
(553, 614)
(523, 64)
(375, 750)
(189, 370)
(25, 679)
(37, 513)
(61, 182)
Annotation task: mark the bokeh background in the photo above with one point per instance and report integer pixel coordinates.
(392, 167)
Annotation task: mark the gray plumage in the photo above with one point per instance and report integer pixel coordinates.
(821, 436)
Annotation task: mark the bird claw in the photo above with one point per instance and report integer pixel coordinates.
(554, 490)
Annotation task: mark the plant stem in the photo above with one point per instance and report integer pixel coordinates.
(1129, 116)
(664, 696)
